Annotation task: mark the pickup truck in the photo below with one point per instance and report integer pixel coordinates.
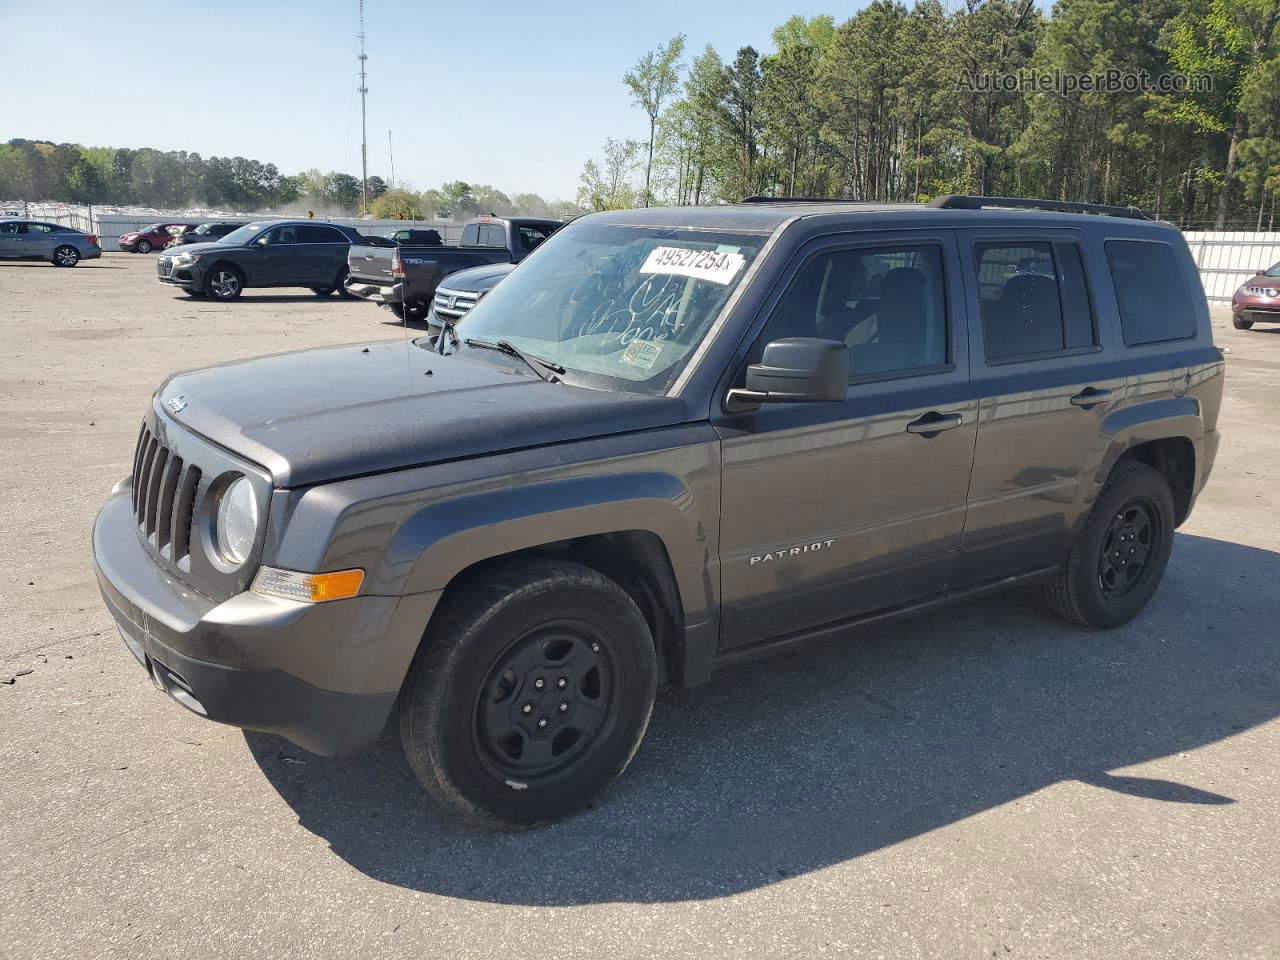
(403, 276)
(675, 440)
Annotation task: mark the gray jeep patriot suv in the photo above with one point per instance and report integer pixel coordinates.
(671, 440)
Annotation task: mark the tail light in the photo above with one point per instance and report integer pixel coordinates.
(397, 265)
(91, 239)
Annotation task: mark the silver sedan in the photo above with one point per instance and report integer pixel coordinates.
(33, 240)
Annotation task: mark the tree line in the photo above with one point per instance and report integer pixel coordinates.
(1170, 105)
(38, 170)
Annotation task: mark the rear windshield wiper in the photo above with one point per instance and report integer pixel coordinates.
(545, 369)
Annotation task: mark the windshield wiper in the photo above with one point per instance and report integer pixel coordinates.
(545, 369)
(449, 327)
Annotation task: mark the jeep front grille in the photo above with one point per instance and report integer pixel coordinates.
(164, 496)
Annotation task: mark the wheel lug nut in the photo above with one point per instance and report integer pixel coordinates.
(564, 706)
(527, 708)
(539, 684)
(542, 723)
(595, 648)
(561, 683)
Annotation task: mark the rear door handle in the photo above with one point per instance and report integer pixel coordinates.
(933, 423)
(1089, 397)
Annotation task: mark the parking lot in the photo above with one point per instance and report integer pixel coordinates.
(979, 781)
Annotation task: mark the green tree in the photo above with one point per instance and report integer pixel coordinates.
(397, 205)
(652, 81)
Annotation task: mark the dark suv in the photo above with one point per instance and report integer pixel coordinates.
(276, 253)
(205, 233)
(670, 441)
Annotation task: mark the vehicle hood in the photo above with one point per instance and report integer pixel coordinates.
(478, 279)
(319, 415)
(207, 246)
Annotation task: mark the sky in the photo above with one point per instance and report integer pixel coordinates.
(516, 95)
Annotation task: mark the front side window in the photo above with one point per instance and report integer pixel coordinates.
(621, 308)
(1035, 300)
(283, 235)
(887, 303)
(1153, 300)
(10, 228)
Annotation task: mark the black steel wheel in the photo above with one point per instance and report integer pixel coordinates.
(531, 692)
(1118, 558)
(545, 702)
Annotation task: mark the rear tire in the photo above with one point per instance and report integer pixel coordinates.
(407, 312)
(1241, 324)
(223, 283)
(531, 691)
(144, 246)
(1119, 557)
(340, 284)
(66, 256)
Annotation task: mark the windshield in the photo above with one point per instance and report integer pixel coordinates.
(242, 235)
(1274, 271)
(619, 307)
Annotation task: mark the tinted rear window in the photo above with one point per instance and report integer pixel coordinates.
(1153, 298)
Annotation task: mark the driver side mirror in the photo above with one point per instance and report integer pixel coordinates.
(794, 370)
(262, 243)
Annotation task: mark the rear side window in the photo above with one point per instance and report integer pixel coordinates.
(319, 235)
(1152, 296)
(531, 236)
(39, 228)
(1035, 301)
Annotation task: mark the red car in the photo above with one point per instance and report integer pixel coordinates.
(155, 237)
(1257, 300)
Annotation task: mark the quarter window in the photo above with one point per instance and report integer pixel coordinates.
(887, 303)
(1150, 291)
(1035, 300)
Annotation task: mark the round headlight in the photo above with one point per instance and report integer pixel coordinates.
(237, 525)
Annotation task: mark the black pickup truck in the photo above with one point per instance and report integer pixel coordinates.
(403, 277)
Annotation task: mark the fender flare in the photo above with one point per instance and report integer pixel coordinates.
(441, 539)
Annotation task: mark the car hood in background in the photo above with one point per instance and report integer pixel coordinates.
(477, 279)
(206, 246)
(323, 414)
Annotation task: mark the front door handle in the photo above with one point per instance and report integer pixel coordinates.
(1090, 397)
(933, 423)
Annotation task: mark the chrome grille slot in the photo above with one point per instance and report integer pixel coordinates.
(153, 489)
(168, 487)
(183, 510)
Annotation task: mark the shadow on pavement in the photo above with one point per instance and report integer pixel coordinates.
(788, 766)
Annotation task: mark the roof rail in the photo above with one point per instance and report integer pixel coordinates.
(764, 199)
(958, 201)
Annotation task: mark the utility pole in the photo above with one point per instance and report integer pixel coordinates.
(391, 152)
(364, 140)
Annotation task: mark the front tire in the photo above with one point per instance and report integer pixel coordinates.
(322, 291)
(1119, 557)
(340, 284)
(66, 256)
(223, 283)
(530, 693)
(1240, 324)
(144, 246)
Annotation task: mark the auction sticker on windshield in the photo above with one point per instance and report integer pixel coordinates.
(718, 266)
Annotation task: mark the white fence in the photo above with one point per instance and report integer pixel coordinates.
(108, 226)
(1226, 260)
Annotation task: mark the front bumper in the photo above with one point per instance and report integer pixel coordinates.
(324, 676)
(187, 276)
(374, 292)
